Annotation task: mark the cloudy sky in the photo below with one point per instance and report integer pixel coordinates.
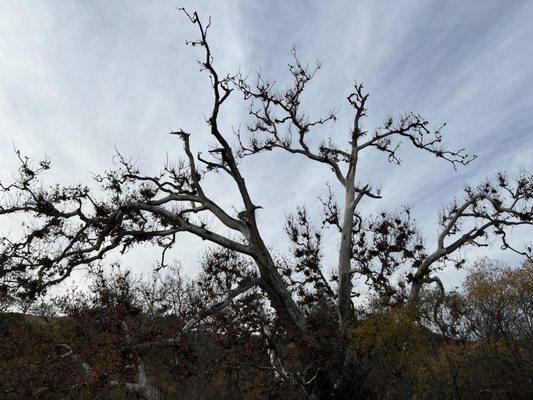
(80, 77)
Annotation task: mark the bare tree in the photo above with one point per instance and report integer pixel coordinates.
(71, 227)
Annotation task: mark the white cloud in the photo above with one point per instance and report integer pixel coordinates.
(77, 78)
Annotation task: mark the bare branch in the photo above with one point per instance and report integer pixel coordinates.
(207, 312)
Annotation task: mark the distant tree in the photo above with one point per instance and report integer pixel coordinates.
(499, 301)
(485, 346)
(70, 226)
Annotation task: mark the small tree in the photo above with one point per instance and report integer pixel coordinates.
(71, 227)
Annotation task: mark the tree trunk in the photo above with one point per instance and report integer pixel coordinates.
(344, 299)
(279, 296)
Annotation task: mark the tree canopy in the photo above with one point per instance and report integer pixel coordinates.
(72, 226)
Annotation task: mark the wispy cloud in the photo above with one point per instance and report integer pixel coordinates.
(78, 78)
